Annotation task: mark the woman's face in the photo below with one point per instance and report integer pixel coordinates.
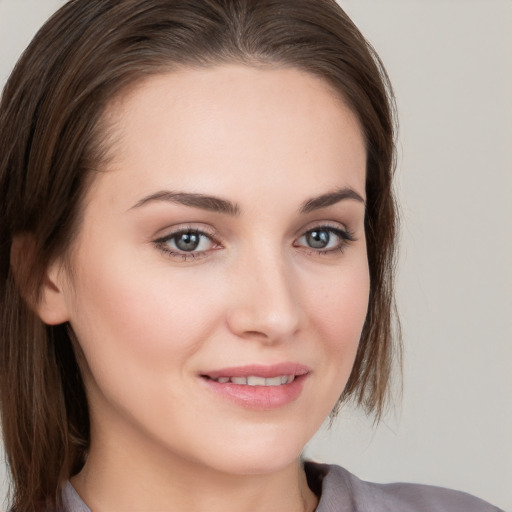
(220, 278)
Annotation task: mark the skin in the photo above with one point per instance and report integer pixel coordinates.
(150, 323)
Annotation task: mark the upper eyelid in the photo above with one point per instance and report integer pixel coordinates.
(345, 234)
(172, 232)
(334, 225)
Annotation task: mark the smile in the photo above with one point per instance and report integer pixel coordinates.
(253, 380)
(258, 387)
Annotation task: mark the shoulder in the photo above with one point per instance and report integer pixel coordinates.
(71, 502)
(342, 491)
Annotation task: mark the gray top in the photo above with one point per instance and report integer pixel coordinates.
(340, 491)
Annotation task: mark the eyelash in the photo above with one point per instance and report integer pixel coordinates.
(346, 237)
(162, 243)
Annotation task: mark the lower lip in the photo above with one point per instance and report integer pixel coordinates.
(258, 397)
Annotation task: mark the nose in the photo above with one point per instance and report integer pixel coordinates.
(264, 300)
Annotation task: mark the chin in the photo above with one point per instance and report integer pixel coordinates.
(258, 455)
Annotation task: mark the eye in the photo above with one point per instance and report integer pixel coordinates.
(318, 239)
(325, 239)
(186, 243)
(189, 241)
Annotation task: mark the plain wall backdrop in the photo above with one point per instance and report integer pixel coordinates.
(450, 63)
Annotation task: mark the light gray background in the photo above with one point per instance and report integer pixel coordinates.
(450, 63)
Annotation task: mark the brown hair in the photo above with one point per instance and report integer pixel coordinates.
(50, 128)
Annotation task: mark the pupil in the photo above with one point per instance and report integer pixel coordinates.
(187, 241)
(318, 239)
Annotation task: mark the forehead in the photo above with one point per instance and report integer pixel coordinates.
(235, 122)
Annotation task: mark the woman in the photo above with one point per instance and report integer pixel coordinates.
(175, 328)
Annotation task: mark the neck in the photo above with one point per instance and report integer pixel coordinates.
(133, 475)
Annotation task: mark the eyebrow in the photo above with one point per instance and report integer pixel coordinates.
(205, 202)
(216, 204)
(329, 199)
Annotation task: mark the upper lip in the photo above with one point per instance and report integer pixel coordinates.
(259, 370)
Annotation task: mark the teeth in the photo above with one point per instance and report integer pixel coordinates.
(274, 381)
(254, 380)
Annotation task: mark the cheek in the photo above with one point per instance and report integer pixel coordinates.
(138, 316)
(338, 309)
(340, 304)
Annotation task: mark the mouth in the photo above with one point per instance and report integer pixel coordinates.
(258, 387)
(258, 375)
(254, 380)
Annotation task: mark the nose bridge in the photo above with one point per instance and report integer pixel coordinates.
(266, 303)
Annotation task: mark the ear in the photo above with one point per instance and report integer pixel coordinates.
(52, 307)
(49, 301)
